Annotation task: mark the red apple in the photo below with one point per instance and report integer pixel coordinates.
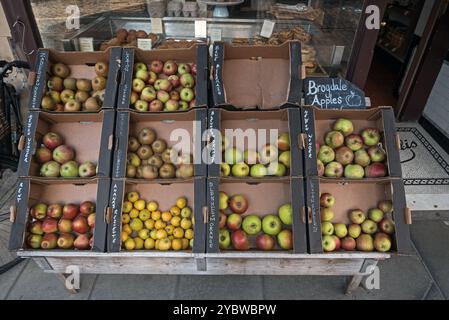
(86, 208)
(156, 66)
(43, 155)
(81, 242)
(54, 211)
(52, 140)
(79, 225)
(265, 242)
(49, 241)
(222, 221)
(376, 170)
(337, 242)
(348, 244)
(50, 225)
(387, 226)
(234, 221)
(240, 240)
(70, 211)
(238, 204)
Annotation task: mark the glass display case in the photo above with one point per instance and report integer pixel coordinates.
(326, 28)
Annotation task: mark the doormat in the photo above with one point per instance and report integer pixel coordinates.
(424, 162)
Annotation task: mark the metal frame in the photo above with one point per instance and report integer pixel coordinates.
(24, 30)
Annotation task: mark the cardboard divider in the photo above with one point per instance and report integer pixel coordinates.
(363, 195)
(198, 54)
(81, 65)
(256, 77)
(264, 198)
(89, 134)
(165, 194)
(317, 122)
(166, 125)
(285, 120)
(33, 191)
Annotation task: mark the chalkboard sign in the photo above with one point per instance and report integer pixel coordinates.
(333, 93)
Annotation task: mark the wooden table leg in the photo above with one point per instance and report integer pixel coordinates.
(364, 271)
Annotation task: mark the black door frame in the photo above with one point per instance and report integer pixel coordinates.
(24, 30)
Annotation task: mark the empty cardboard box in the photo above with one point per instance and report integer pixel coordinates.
(256, 77)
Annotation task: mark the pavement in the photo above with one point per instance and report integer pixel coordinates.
(422, 276)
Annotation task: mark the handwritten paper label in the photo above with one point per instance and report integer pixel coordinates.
(157, 26)
(267, 28)
(215, 35)
(200, 29)
(144, 44)
(333, 93)
(86, 44)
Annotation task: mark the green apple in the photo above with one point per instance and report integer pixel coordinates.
(258, 171)
(354, 171)
(268, 154)
(365, 243)
(276, 169)
(327, 215)
(223, 200)
(341, 230)
(357, 216)
(284, 158)
(285, 239)
(252, 224)
(286, 214)
(334, 139)
(224, 239)
(328, 243)
(240, 170)
(271, 225)
(369, 227)
(251, 157)
(376, 215)
(354, 231)
(386, 206)
(233, 156)
(345, 126)
(326, 154)
(362, 158)
(327, 228)
(225, 170)
(382, 242)
(69, 169)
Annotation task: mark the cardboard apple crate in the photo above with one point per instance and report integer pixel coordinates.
(165, 194)
(82, 67)
(131, 122)
(264, 198)
(285, 120)
(89, 134)
(360, 194)
(317, 122)
(256, 77)
(198, 54)
(32, 191)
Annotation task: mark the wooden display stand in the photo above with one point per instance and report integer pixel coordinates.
(236, 263)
